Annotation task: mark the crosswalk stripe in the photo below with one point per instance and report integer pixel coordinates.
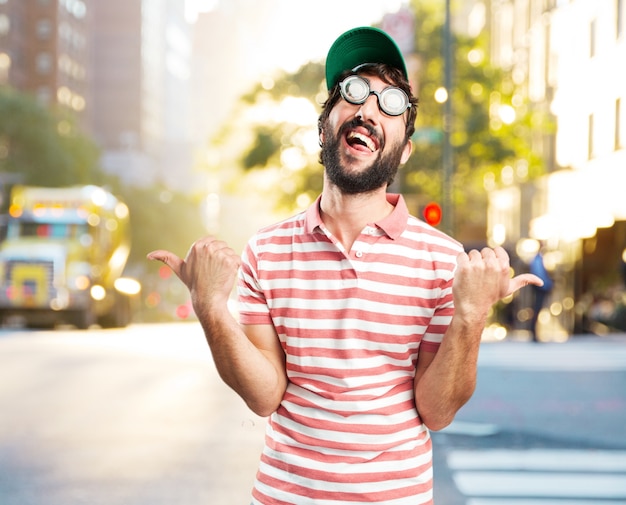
(544, 485)
(539, 476)
(457, 427)
(582, 356)
(532, 501)
(539, 460)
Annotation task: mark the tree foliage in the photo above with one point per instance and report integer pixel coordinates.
(273, 132)
(484, 146)
(161, 219)
(42, 146)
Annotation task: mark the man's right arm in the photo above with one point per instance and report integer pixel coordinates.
(249, 359)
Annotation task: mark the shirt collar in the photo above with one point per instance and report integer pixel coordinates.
(393, 224)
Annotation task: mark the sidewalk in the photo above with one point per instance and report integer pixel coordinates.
(496, 334)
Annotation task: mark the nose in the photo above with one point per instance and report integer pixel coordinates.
(369, 109)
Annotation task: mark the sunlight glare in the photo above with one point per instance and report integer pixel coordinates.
(297, 110)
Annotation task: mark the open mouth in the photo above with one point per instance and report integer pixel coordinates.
(361, 140)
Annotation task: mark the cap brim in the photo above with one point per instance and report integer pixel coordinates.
(359, 46)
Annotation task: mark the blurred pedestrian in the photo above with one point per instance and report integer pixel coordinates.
(623, 266)
(359, 325)
(540, 293)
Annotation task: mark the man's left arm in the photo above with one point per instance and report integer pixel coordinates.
(445, 380)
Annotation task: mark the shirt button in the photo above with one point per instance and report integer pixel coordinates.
(359, 254)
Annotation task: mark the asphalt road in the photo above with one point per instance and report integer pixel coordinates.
(546, 426)
(130, 417)
(140, 417)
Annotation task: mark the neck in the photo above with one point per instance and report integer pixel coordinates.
(345, 216)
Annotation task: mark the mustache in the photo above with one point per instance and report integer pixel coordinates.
(357, 122)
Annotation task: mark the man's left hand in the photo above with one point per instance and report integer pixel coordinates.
(484, 277)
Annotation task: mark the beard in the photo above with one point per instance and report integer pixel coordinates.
(380, 173)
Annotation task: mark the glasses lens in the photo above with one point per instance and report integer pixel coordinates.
(393, 101)
(355, 89)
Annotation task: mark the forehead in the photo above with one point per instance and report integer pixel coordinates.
(381, 72)
(375, 82)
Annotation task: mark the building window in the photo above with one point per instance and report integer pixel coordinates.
(44, 29)
(618, 124)
(5, 66)
(590, 138)
(77, 8)
(43, 63)
(5, 24)
(549, 5)
(44, 95)
(592, 38)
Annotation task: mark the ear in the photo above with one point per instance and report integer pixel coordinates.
(406, 152)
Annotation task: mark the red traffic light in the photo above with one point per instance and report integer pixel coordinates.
(432, 213)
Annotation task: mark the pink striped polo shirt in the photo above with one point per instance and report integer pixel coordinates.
(351, 324)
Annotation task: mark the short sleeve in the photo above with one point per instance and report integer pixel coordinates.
(253, 307)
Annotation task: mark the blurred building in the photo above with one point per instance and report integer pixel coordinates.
(218, 75)
(45, 50)
(567, 57)
(141, 79)
(230, 50)
(124, 68)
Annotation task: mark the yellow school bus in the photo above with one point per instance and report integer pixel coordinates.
(63, 258)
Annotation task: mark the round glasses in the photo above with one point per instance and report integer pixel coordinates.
(391, 100)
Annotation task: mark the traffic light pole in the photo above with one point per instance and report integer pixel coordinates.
(448, 169)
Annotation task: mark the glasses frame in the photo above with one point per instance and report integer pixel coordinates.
(379, 94)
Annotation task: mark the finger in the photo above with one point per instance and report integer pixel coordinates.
(487, 252)
(503, 259)
(462, 260)
(170, 259)
(474, 255)
(489, 257)
(502, 255)
(208, 244)
(522, 280)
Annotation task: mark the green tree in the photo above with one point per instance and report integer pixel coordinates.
(43, 146)
(161, 219)
(270, 145)
(492, 123)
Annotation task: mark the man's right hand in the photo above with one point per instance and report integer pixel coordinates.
(209, 271)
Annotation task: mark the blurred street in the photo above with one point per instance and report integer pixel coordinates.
(139, 417)
(544, 427)
(134, 417)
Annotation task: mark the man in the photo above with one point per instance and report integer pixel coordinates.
(538, 268)
(359, 324)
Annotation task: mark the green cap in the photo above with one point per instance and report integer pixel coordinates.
(360, 46)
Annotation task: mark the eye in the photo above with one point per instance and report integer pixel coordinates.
(355, 89)
(394, 101)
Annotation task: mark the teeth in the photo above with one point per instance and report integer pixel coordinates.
(364, 139)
